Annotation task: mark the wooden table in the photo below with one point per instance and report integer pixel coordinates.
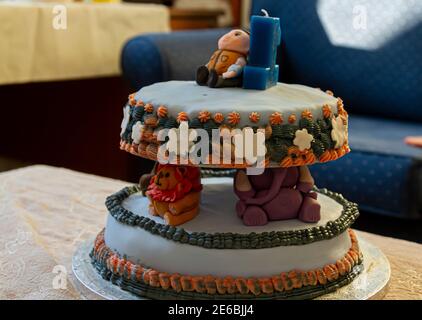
(182, 19)
(46, 212)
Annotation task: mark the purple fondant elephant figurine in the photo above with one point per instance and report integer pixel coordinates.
(277, 194)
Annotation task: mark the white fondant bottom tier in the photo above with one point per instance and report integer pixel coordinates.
(217, 215)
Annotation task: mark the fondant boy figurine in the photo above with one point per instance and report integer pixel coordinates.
(277, 194)
(226, 64)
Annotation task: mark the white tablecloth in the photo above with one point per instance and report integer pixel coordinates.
(33, 49)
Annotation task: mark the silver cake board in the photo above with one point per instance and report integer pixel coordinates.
(372, 283)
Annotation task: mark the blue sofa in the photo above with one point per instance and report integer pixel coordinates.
(375, 67)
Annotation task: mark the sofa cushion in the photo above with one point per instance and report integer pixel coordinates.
(140, 62)
(381, 174)
(376, 67)
(156, 57)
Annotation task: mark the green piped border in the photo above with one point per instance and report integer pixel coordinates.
(232, 240)
(147, 291)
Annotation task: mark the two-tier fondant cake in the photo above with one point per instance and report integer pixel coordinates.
(258, 235)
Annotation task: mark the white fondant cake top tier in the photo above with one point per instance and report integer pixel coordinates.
(187, 96)
(302, 125)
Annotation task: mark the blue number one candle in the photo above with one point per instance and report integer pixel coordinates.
(261, 71)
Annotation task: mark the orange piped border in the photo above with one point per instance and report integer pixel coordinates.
(285, 281)
(233, 117)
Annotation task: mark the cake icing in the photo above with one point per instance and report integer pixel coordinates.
(302, 125)
(218, 204)
(296, 284)
(188, 97)
(140, 246)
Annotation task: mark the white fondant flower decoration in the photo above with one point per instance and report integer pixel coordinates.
(137, 132)
(303, 139)
(339, 131)
(125, 121)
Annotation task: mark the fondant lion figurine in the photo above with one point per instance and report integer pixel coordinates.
(174, 193)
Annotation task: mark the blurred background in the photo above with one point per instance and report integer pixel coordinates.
(67, 67)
